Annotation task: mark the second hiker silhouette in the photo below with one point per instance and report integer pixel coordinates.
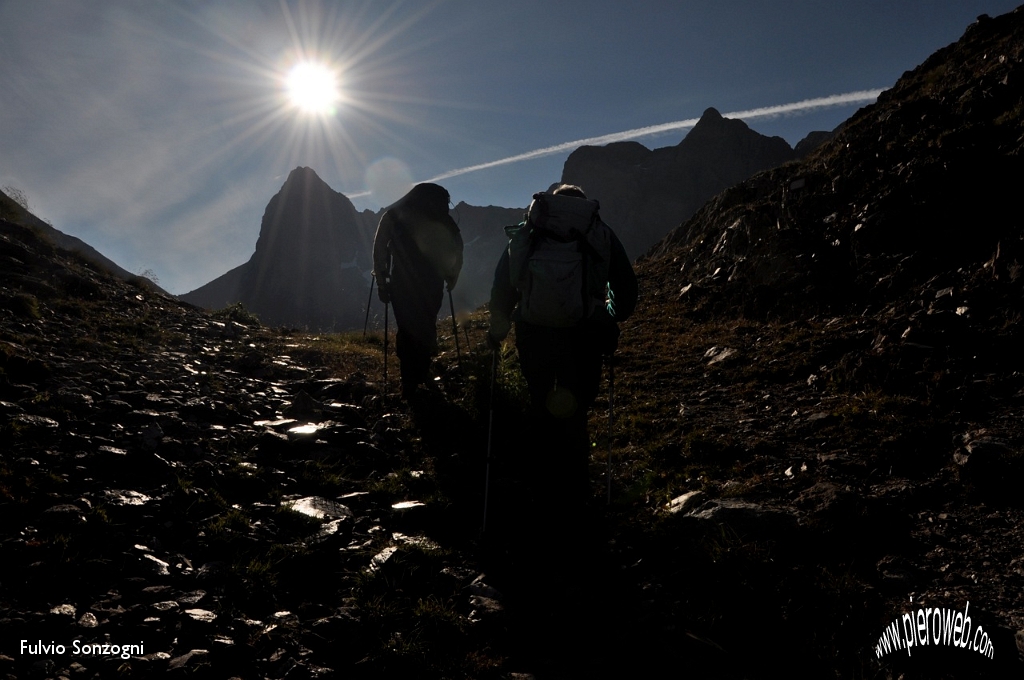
(565, 281)
(416, 252)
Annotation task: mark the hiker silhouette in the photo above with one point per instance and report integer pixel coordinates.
(417, 251)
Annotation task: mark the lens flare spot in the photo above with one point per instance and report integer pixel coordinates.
(313, 87)
(388, 179)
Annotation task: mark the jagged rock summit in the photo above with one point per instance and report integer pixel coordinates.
(646, 193)
(310, 264)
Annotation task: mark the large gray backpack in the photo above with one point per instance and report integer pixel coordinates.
(558, 260)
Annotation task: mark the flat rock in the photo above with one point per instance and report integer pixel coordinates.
(318, 508)
(744, 516)
(685, 502)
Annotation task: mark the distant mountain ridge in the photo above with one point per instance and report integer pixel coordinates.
(646, 193)
(312, 264)
(312, 261)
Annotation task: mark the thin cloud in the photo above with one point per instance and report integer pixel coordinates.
(860, 97)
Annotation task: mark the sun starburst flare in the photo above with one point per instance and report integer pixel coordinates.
(313, 87)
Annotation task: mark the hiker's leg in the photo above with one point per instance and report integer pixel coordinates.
(408, 353)
(416, 341)
(580, 373)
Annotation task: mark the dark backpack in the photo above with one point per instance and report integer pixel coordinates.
(558, 260)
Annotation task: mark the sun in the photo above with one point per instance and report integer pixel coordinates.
(313, 87)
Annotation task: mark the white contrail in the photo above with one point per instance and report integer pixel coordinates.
(860, 97)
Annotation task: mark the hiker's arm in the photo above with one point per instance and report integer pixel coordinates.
(382, 248)
(503, 300)
(382, 256)
(453, 276)
(622, 281)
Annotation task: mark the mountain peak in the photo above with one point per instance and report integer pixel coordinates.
(294, 277)
(646, 193)
(713, 122)
(710, 114)
(302, 174)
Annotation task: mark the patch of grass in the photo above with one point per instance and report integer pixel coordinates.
(877, 406)
(343, 344)
(438, 617)
(99, 514)
(511, 382)
(293, 525)
(411, 620)
(237, 312)
(343, 354)
(636, 426)
(258, 573)
(137, 333)
(195, 503)
(22, 305)
(721, 543)
(12, 485)
(705, 447)
(234, 520)
(323, 478)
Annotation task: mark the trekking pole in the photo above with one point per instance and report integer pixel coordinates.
(611, 402)
(385, 347)
(490, 437)
(455, 329)
(369, 299)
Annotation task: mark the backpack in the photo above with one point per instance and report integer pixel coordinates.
(558, 260)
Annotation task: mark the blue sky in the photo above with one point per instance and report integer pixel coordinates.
(158, 131)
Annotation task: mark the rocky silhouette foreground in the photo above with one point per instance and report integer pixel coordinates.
(845, 391)
(192, 494)
(208, 496)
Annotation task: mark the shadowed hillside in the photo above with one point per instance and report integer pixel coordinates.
(15, 212)
(845, 393)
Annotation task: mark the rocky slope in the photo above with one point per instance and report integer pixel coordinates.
(15, 212)
(222, 499)
(846, 390)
